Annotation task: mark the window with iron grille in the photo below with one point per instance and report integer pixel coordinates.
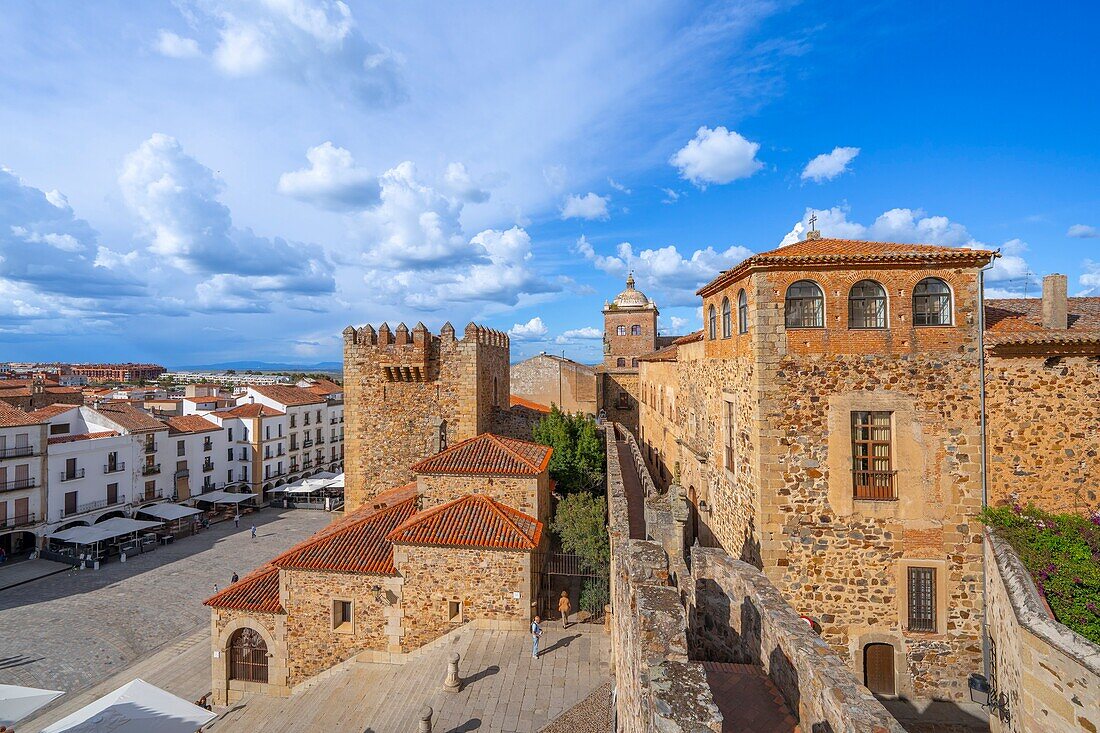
(922, 599)
(867, 305)
(931, 303)
(872, 463)
(804, 306)
(731, 437)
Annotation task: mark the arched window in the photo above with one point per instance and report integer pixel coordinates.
(634, 363)
(727, 324)
(712, 323)
(443, 435)
(742, 312)
(620, 362)
(866, 305)
(635, 330)
(805, 306)
(931, 303)
(247, 656)
(620, 331)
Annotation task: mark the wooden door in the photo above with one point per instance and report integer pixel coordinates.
(70, 503)
(878, 668)
(112, 494)
(22, 510)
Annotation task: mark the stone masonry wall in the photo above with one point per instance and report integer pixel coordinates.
(223, 622)
(530, 495)
(400, 387)
(486, 582)
(1044, 431)
(612, 383)
(1048, 675)
(549, 380)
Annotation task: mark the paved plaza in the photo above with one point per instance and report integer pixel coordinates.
(76, 628)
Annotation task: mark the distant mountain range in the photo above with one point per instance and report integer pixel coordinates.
(262, 366)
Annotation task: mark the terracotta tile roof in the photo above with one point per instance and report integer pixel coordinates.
(355, 544)
(324, 387)
(516, 400)
(20, 383)
(489, 454)
(11, 417)
(84, 436)
(289, 396)
(666, 354)
(810, 252)
(189, 424)
(50, 411)
(473, 520)
(252, 409)
(1019, 322)
(258, 591)
(396, 495)
(204, 399)
(690, 338)
(129, 417)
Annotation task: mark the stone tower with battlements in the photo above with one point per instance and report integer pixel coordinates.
(409, 394)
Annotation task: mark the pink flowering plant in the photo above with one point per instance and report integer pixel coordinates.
(1062, 552)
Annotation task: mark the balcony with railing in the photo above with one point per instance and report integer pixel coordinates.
(208, 466)
(321, 440)
(154, 495)
(19, 451)
(307, 443)
(151, 446)
(91, 506)
(874, 485)
(333, 420)
(208, 445)
(19, 520)
(114, 467)
(307, 464)
(19, 483)
(72, 476)
(150, 469)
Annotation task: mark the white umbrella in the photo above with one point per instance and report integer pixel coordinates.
(136, 707)
(18, 702)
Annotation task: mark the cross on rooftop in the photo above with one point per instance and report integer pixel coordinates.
(813, 221)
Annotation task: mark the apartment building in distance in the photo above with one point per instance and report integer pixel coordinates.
(128, 373)
(22, 478)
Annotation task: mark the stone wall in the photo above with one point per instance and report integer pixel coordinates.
(612, 383)
(1044, 431)
(272, 628)
(401, 388)
(517, 422)
(738, 616)
(530, 495)
(492, 585)
(548, 380)
(1048, 675)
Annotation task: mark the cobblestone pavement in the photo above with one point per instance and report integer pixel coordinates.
(73, 629)
(504, 690)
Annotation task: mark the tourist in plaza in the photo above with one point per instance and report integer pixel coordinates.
(237, 521)
(563, 606)
(3, 556)
(235, 578)
(536, 633)
(215, 589)
(253, 531)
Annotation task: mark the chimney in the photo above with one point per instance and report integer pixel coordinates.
(1055, 306)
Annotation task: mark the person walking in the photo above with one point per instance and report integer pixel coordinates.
(253, 531)
(3, 556)
(564, 607)
(215, 589)
(237, 521)
(235, 578)
(536, 634)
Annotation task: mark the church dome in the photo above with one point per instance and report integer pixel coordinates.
(630, 298)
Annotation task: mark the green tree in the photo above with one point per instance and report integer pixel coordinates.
(577, 463)
(580, 522)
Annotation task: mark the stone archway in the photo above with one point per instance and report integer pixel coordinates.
(227, 688)
(877, 641)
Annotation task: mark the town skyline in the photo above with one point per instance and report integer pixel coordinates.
(261, 179)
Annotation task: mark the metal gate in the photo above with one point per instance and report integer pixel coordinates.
(247, 657)
(564, 571)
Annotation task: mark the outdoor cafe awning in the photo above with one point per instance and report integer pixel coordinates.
(169, 512)
(105, 530)
(137, 707)
(223, 497)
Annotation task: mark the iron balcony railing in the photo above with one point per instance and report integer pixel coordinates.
(20, 451)
(151, 446)
(152, 495)
(307, 443)
(19, 520)
(19, 483)
(120, 466)
(208, 466)
(78, 473)
(91, 506)
(207, 446)
(877, 485)
(150, 469)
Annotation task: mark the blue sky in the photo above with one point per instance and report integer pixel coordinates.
(210, 180)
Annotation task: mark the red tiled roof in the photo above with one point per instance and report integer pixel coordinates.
(258, 591)
(11, 417)
(844, 251)
(690, 338)
(516, 400)
(252, 409)
(83, 436)
(289, 396)
(355, 544)
(1024, 316)
(669, 353)
(49, 411)
(19, 383)
(189, 424)
(129, 417)
(324, 387)
(473, 520)
(489, 454)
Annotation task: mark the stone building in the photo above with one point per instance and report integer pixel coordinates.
(826, 428)
(554, 380)
(455, 546)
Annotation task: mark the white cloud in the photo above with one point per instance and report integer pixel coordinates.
(533, 330)
(1083, 231)
(673, 275)
(679, 324)
(177, 47)
(587, 333)
(618, 186)
(457, 180)
(716, 156)
(1090, 279)
(332, 181)
(671, 196)
(589, 206)
(828, 166)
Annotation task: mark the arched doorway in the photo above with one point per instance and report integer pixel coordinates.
(247, 656)
(18, 543)
(109, 515)
(878, 669)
